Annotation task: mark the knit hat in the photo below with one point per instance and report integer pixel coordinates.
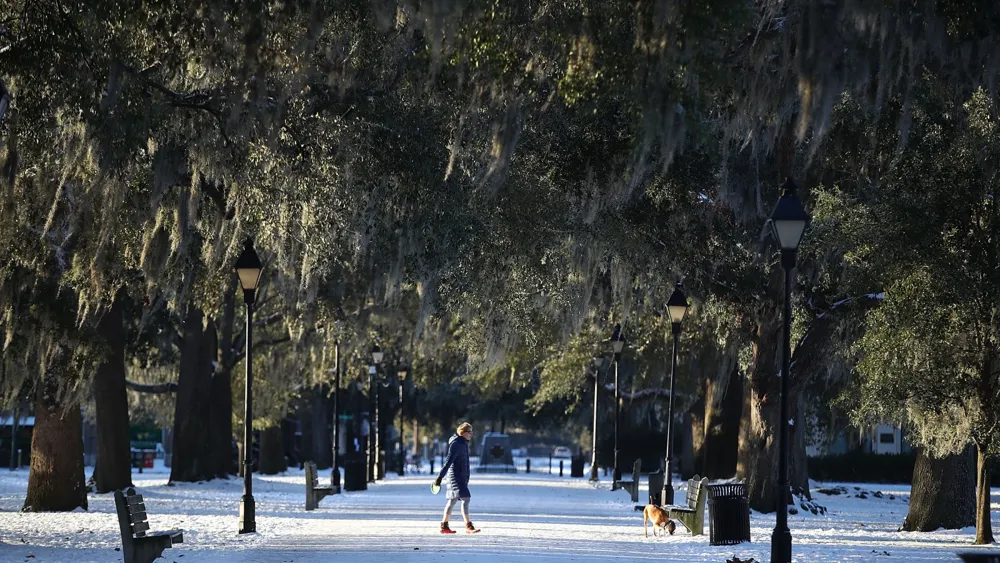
(464, 427)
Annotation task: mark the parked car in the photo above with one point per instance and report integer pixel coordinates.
(562, 451)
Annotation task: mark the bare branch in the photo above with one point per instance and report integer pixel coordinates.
(193, 100)
(644, 395)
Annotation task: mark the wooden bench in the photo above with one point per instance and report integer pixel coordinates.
(631, 486)
(692, 513)
(314, 493)
(139, 545)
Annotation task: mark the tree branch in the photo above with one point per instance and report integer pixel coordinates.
(169, 387)
(643, 395)
(269, 320)
(194, 100)
(217, 193)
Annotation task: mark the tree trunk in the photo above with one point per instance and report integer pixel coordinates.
(984, 528)
(306, 411)
(722, 427)
(320, 445)
(757, 465)
(759, 432)
(220, 413)
(271, 459)
(685, 445)
(56, 480)
(16, 413)
(809, 358)
(113, 468)
(698, 449)
(192, 459)
(239, 458)
(943, 494)
(798, 468)
(220, 430)
(416, 437)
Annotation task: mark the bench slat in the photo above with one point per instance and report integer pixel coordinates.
(136, 509)
(139, 517)
(692, 495)
(134, 499)
(171, 533)
(140, 526)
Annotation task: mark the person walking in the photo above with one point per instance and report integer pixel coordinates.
(456, 467)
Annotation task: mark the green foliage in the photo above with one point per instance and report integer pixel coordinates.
(485, 187)
(917, 365)
(928, 352)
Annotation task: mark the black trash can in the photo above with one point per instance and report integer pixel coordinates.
(355, 472)
(728, 514)
(576, 466)
(655, 486)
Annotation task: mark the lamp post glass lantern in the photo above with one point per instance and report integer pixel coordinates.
(677, 306)
(788, 223)
(248, 268)
(617, 344)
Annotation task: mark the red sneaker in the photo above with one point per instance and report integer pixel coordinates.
(470, 529)
(445, 529)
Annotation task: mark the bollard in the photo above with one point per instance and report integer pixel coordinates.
(605, 471)
(550, 464)
(19, 452)
(527, 464)
(432, 466)
(560, 467)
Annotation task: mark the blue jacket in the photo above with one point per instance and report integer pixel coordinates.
(457, 468)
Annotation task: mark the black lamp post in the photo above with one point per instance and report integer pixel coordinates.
(335, 474)
(402, 456)
(248, 268)
(593, 449)
(676, 307)
(617, 343)
(373, 438)
(788, 223)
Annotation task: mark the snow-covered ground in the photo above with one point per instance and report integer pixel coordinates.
(524, 517)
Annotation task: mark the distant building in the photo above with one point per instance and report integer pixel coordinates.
(879, 439)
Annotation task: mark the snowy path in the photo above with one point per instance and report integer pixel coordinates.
(524, 518)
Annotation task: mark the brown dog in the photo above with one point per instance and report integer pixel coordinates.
(658, 516)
